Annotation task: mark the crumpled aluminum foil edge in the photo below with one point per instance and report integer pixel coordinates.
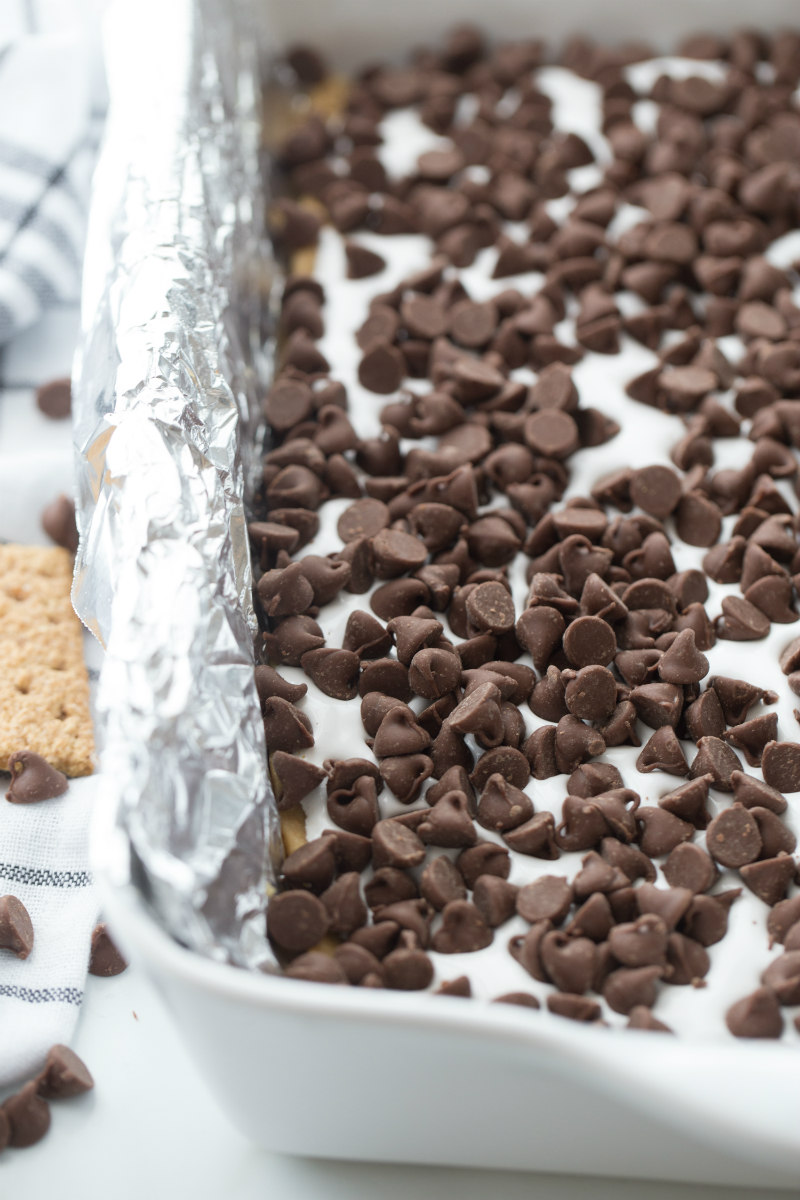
(164, 411)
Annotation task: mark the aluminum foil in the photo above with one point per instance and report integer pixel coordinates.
(164, 411)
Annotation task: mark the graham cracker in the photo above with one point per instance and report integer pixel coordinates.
(44, 688)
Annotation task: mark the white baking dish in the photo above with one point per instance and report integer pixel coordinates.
(334, 1072)
(347, 1073)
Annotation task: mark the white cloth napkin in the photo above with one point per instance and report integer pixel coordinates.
(49, 117)
(43, 862)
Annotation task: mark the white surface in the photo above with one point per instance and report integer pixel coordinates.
(151, 1129)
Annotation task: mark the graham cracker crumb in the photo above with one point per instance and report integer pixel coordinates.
(44, 688)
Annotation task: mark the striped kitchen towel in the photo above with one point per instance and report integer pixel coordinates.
(44, 863)
(51, 108)
(48, 133)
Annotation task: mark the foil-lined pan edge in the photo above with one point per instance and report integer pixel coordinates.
(164, 411)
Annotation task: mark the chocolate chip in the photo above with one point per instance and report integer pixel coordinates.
(335, 672)
(346, 910)
(33, 779)
(455, 987)
(657, 490)
(704, 717)
(706, 920)
(776, 837)
(64, 1075)
(316, 967)
(756, 1016)
(399, 733)
(752, 736)
(783, 976)
(405, 774)
(551, 433)
(463, 929)
(741, 621)
(546, 899)
(296, 777)
(361, 261)
(593, 919)
(484, 858)
(54, 399)
(490, 607)
(394, 553)
(588, 641)
(28, 1115)
(640, 1017)
(395, 846)
(689, 866)
(526, 950)
(389, 885)
(311, 865)
(593, 778)
(16, 930)
(522, 999)
(285, 726)
(441, 882)
(780, 763)
(104, 959)
(503, 806)
(540, 631)
(716, 759)
(661, 831)
(682, 662)
(631, 987)
(769, 879)
(357, 962)
(382, 368)
(364, 518)
(58, 522)
(495, 899)
(663, 752)
(687, 959)
(387, 676)
(575, 1008)
(591, 694)
(351, 852)
(569, 962)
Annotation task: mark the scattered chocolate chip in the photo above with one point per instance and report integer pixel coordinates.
(33, 779)
(28, 1115)
(64, 1075)
(105, 959)
(16, 930)
(54, 399)
(58, 522)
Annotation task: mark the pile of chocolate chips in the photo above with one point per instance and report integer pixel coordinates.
(615, 634)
